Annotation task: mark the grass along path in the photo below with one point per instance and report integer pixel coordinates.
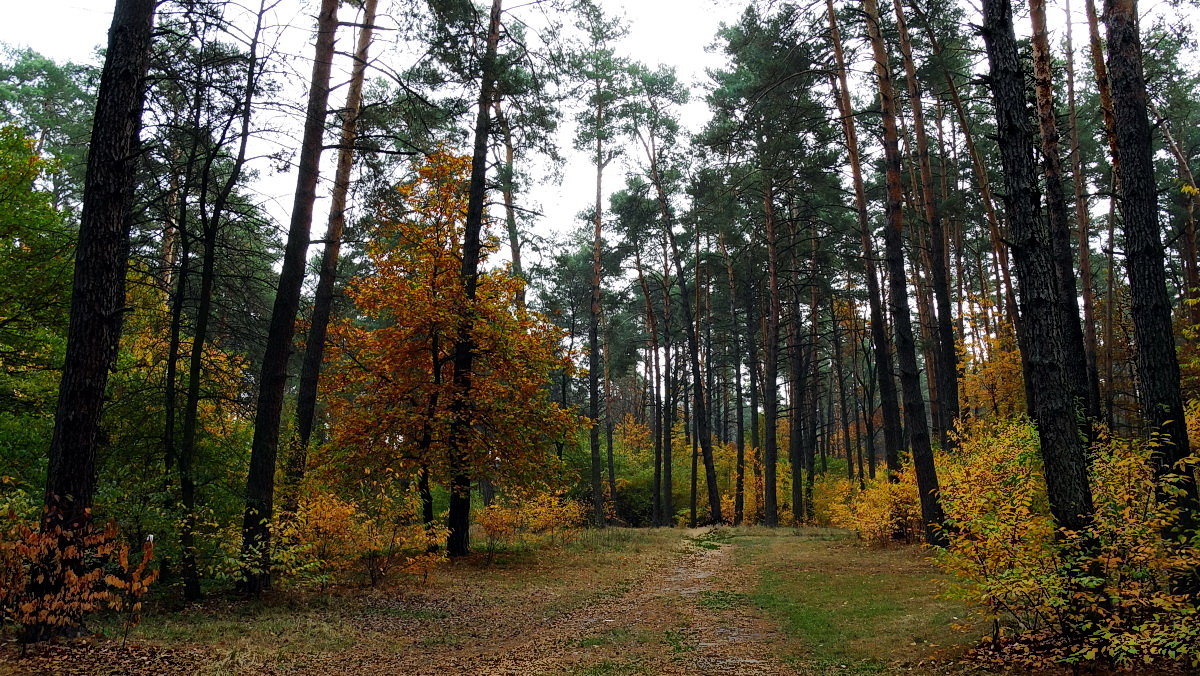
(726, 601)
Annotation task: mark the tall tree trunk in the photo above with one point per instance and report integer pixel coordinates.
(508, 190)
(840, 377)
(1083, 226)
(771, 366)
(211, 224)
(799, 392)
(608, 420)
(656, 391)
(700, 400)
(946, 350)
(739, 491)
(1150, 306)
(314, 353)
(98, 286)
(999, 251)
(910, 377)
(756, 462)
(260, 480)
(594, 324)
(1056, 206)
(893, 430)
(461, 427)
(1047, 374)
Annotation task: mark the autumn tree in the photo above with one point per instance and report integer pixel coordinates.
(393, 407)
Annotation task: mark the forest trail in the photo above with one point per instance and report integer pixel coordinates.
(613, 602)
(674, 618)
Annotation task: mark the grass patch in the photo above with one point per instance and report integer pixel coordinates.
(678, 641)
(418, 614)
(721, 600)
(615, 636)
(620, 540)
(850, 609)
(610, 668)
(448, 640)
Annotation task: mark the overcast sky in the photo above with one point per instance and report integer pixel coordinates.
(671, 32)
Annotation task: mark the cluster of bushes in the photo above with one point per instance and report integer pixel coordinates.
(94, 569)
(1111, 594)
(533, 521)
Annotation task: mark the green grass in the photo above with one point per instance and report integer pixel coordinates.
(851, 609)
(678, 641)
(721, 599)
(611, 668)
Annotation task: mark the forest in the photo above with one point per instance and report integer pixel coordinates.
(874, 349)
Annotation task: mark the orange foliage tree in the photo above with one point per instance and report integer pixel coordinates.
(391, 366)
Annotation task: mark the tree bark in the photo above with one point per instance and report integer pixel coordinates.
(260, 481)
(1150, 306)
(1083, 227)
(893, 430)
(771, 366)
(914, 404)
(462, 422)
(1052, 400)
(946, 351)
(98, 287)
(314, 353)
(1060, 230)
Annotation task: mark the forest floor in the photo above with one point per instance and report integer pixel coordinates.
(616, 601)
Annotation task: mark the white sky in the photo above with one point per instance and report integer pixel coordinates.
(672, 32)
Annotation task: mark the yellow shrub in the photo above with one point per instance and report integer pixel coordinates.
(381, 534)
(882, 512)
(1101, 595)
(540, 518)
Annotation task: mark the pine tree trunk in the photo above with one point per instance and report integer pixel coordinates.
(1083, 227)
(314, 354)
(739, 491)
(98, 287)
(594, 326)
(946, 349)
(461, 427)
(700, 401)
(1056, 207)
(1150, 306)
(1052, 400)
(893, 430)
(914, 404)
(260, 481)
(771, 367)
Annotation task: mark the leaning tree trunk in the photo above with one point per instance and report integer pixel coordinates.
(946, 351)
(314, 353)
(98, 289)
(1150, 306)
(1083, 228)
(906, 353)
(260, 481)
(1052, 397)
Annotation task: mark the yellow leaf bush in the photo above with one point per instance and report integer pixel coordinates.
(1106, 595)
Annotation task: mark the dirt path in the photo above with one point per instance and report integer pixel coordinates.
(686, 615)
